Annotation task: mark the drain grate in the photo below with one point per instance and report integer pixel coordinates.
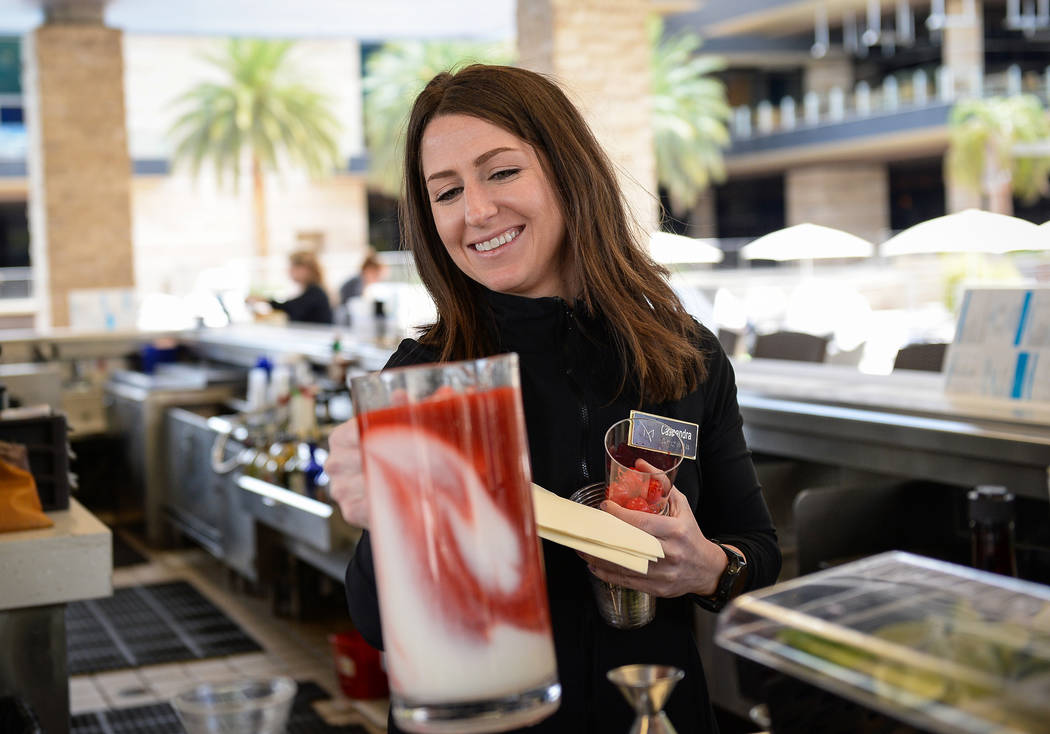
(161, 718)
(149, 625)
(157, 718)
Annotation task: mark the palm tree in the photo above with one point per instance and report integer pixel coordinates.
(394, 75)
(689, 116)
(982, 136)
(259, 110)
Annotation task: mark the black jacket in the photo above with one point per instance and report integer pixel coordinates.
(311, 306)
(569, 380)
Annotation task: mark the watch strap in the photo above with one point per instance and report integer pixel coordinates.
(728, 583)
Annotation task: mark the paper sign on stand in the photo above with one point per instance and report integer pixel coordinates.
(1002, 345)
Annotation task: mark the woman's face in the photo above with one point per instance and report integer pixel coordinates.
(300, 275)
(493, 207)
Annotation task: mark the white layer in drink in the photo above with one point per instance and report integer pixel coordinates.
(431, 656)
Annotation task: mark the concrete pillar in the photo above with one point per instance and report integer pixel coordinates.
(823, 75)
(703, 218)
(853, 197)
(598, 50)
(78, 164)
(963, 49)
(959, 197)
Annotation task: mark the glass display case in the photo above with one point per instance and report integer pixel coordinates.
(940, 647)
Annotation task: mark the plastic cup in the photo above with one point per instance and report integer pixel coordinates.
(640, 478)
(459, 570)
(236, 707)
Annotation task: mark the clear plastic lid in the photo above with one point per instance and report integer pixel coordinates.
(943, 647)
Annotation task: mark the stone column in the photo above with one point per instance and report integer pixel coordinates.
(853, 197)
(963, 49)
(598, 51)
(78, 163)
(958, 198)
(704, 217)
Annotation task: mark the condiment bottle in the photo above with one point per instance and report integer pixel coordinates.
(992, 530)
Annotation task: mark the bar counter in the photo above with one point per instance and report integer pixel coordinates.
(899, 425)
(40, 571)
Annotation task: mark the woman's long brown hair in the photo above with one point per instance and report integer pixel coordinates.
(606, 268)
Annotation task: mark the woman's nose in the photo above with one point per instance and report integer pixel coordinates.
(479, 205)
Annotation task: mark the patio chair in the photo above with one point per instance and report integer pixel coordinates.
(928, 357)
(729, 340)
(792, 345)
(836, 524)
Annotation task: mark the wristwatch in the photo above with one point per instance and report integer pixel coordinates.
(732, 578)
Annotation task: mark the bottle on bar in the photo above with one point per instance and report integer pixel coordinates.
(302, 430)
(992, 529)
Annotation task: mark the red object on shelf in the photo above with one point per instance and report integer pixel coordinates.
(358, 666)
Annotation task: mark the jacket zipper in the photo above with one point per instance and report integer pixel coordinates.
(585, 472)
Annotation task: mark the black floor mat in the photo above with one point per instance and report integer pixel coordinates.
(124, 554)
(161, 718)
(148, 625)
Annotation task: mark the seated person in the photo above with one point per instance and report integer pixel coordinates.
(311, 305)
(372, 271)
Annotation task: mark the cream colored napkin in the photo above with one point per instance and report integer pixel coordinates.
(593, 531)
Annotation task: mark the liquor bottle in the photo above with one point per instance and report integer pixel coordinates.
(379, 319)
(992, 530)
(313, 470)
(302, 429)
(267, 436)
(337, 362)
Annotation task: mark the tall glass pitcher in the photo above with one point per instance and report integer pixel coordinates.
(459, 570)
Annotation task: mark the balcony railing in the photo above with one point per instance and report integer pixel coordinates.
(893, 95)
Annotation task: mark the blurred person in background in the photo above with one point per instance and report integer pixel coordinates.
(372, 271)
(311, 305)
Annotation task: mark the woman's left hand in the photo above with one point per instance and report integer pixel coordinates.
(692, 564)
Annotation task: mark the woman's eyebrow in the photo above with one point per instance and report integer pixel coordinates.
(480, 160)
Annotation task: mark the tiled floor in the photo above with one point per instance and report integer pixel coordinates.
(299, 650)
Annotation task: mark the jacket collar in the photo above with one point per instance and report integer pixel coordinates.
(532, 324)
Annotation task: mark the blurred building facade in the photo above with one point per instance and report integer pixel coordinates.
(107, 207)
(91, 197)
(840, 107)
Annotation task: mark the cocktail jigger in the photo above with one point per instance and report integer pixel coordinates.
(646, 688)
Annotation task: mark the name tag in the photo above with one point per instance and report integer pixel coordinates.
(657, 433)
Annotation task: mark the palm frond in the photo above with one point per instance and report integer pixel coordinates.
(258, 107)
(689, 116)
(394, 76)
(983, 131)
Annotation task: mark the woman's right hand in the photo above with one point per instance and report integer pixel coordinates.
(346, 475)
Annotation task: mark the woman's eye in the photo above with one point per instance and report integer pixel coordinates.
(505, 173)
(448, 195)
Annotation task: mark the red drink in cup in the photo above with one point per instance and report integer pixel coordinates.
(640, 478)
(459, 570)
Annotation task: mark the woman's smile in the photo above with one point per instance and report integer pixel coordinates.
(494, 243)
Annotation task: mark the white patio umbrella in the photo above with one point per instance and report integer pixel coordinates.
(971, 230)
(670, 249)
(807, 242)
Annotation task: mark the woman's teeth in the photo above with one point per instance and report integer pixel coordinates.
(497, 241)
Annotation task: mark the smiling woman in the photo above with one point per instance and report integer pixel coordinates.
(517, 225)
(493, 207)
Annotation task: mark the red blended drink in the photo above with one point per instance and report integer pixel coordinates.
(462, 593)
